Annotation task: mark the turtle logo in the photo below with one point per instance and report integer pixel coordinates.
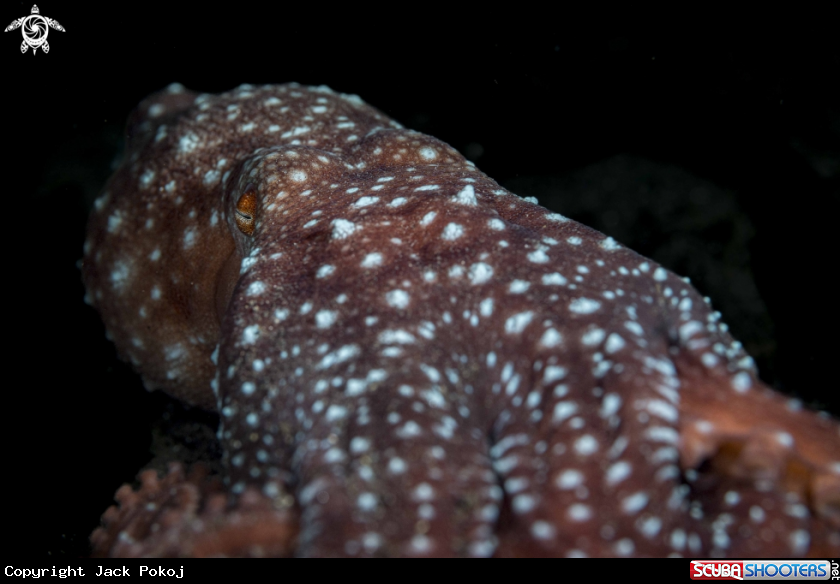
(35, 28)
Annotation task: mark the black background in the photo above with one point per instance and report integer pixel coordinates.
(745, 110)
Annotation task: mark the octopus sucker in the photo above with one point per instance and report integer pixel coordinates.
(410, 360)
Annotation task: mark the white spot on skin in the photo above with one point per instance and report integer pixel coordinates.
(551, 338)
(505, 465)
(250, 334)
(434, 398)
(325, 318)
(634, 503)
(741, 382)
(428, 218)
(584, 306)
(554, 279)
(513, 385)
(114, 222)
(660, 409)
(399, 336)
(423, 492)
(797, 510)
(466, 197)
(334, 455)
(538, 256)
(799, 541)
(120, 275)
(188, 143)
(554, 373)
(496, 224)
(522, 504)
(634, 327)
(614, 343)
(339, 356)
(211, 177)
(486, 307)
(624, 547)
(732, 498)
(593, 337)
(410, 429)
(579, 512)
(650, 526)
(662, 434)
(518, 286)
(397, 298)
(325, 271)
(452, 232)
(480, 273)
(784, 439)
(556, 217)
(430, 372)
(428, 153)
(366, 502)
(342, 228)
(586, 445)
(678, 539)
(426, 329)
(517, 323)
(256, 288)
(543, 530)
(617, 472)
(335, 412)
(757, 514)
(420, 544)
(563, 410)
(364, 202)
(297, 131)
(609, 244)
(689, 329)
(397, 466)
(355, 387)
(569, 479)
(372, 260)
(660, 275)
(516, 485)
(610, 405)
(174, 352)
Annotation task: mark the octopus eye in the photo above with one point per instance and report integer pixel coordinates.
(246, 211)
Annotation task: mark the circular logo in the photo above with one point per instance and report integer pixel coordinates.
(35, 30)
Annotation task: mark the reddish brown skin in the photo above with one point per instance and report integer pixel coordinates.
(410, 360)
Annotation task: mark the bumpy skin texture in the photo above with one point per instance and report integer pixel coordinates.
(410, 360)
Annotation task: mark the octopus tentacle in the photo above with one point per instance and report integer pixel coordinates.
(189, 515)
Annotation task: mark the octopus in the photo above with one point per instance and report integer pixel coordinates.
(410, 360)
